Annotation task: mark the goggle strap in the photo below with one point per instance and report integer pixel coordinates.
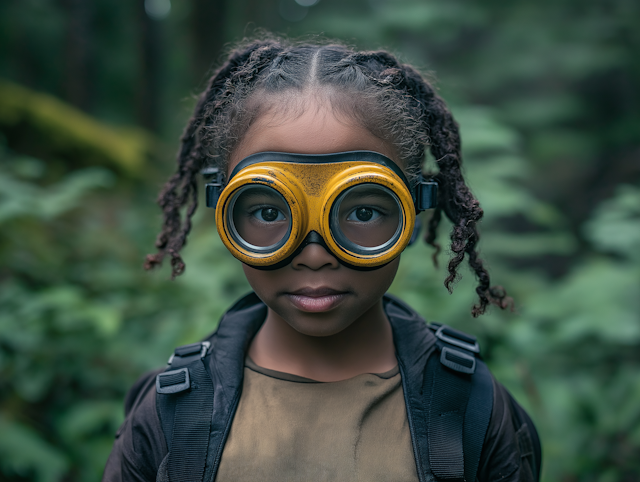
(426, 195)
(214, 187)
(212, 193)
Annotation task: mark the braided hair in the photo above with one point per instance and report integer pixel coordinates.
(390, 99)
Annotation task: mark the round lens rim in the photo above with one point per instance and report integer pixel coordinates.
(239, 239)
(346, 243)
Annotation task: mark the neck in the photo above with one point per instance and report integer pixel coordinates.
(365, 346)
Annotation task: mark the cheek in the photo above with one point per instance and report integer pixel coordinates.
(376, 283)
(261, 281)
(269, 285)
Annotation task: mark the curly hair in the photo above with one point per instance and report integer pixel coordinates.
(390, 99)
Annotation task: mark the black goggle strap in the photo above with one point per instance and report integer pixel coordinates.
(425, 197)
(214, 185)
(313, 238)
(425, 192)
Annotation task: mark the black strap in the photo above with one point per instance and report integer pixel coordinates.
(448, 393)
(186, 412)
(476, 419)
(458, 401)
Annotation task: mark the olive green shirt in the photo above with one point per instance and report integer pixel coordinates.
(289, 428)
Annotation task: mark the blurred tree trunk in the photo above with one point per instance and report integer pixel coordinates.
(149, 75)
(264, 14)
(208, 27)
(212, 22)
(78, 55)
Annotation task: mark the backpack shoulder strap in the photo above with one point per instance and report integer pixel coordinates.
(184, 403)
(458, 401)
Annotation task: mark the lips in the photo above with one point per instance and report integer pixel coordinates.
(316, 300)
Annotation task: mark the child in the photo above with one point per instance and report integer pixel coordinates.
(319, 375)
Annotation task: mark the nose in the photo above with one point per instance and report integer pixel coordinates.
(314, 256)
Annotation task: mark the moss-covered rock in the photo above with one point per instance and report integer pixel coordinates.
(62, 131)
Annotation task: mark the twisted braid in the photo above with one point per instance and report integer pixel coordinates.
(456, 199)
(390, 99)
(182, 186)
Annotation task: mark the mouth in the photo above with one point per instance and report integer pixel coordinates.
(316, 300)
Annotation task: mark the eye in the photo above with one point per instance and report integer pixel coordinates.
(268, 214)
(363, 214)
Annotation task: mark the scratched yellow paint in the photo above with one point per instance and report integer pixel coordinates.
(310, 189)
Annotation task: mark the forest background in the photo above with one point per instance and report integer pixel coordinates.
(94, 95)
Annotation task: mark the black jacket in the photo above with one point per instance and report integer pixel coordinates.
(510, 451)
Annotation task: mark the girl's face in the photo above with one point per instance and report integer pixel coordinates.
(315, 294)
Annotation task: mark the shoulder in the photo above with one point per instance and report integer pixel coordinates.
(446, 376)
(140, 444)
(511, 450)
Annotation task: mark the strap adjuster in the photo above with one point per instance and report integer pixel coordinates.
(457, 360)
(178, 380)
(174, 381)
(214, 185)
(457, 338)
(426, 194)
(187, 353)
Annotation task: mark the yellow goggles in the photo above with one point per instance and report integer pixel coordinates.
(358, 205)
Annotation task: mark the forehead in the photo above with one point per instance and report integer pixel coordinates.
(315, 130)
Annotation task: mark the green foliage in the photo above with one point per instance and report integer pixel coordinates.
(79, 318)
(615, 227)
(546, 96)
(24, 453)
(570, 351)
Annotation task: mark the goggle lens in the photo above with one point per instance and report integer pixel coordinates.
(366, 219)
(259, 218)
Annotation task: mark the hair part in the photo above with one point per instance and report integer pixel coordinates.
(389, 99)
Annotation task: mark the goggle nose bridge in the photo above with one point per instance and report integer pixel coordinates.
(314, 238)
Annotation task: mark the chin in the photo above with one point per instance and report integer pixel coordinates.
(317, 324)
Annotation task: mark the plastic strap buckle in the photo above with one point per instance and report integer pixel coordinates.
(457, 360)
(449, 340)
(185, 354)
(213, 187)
(457, 338)
(178, 380)
(174, 381)
(426, 195)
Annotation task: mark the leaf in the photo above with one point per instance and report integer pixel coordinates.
(85, 418)
(24, 453)
(615, 226)
(20, 198)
